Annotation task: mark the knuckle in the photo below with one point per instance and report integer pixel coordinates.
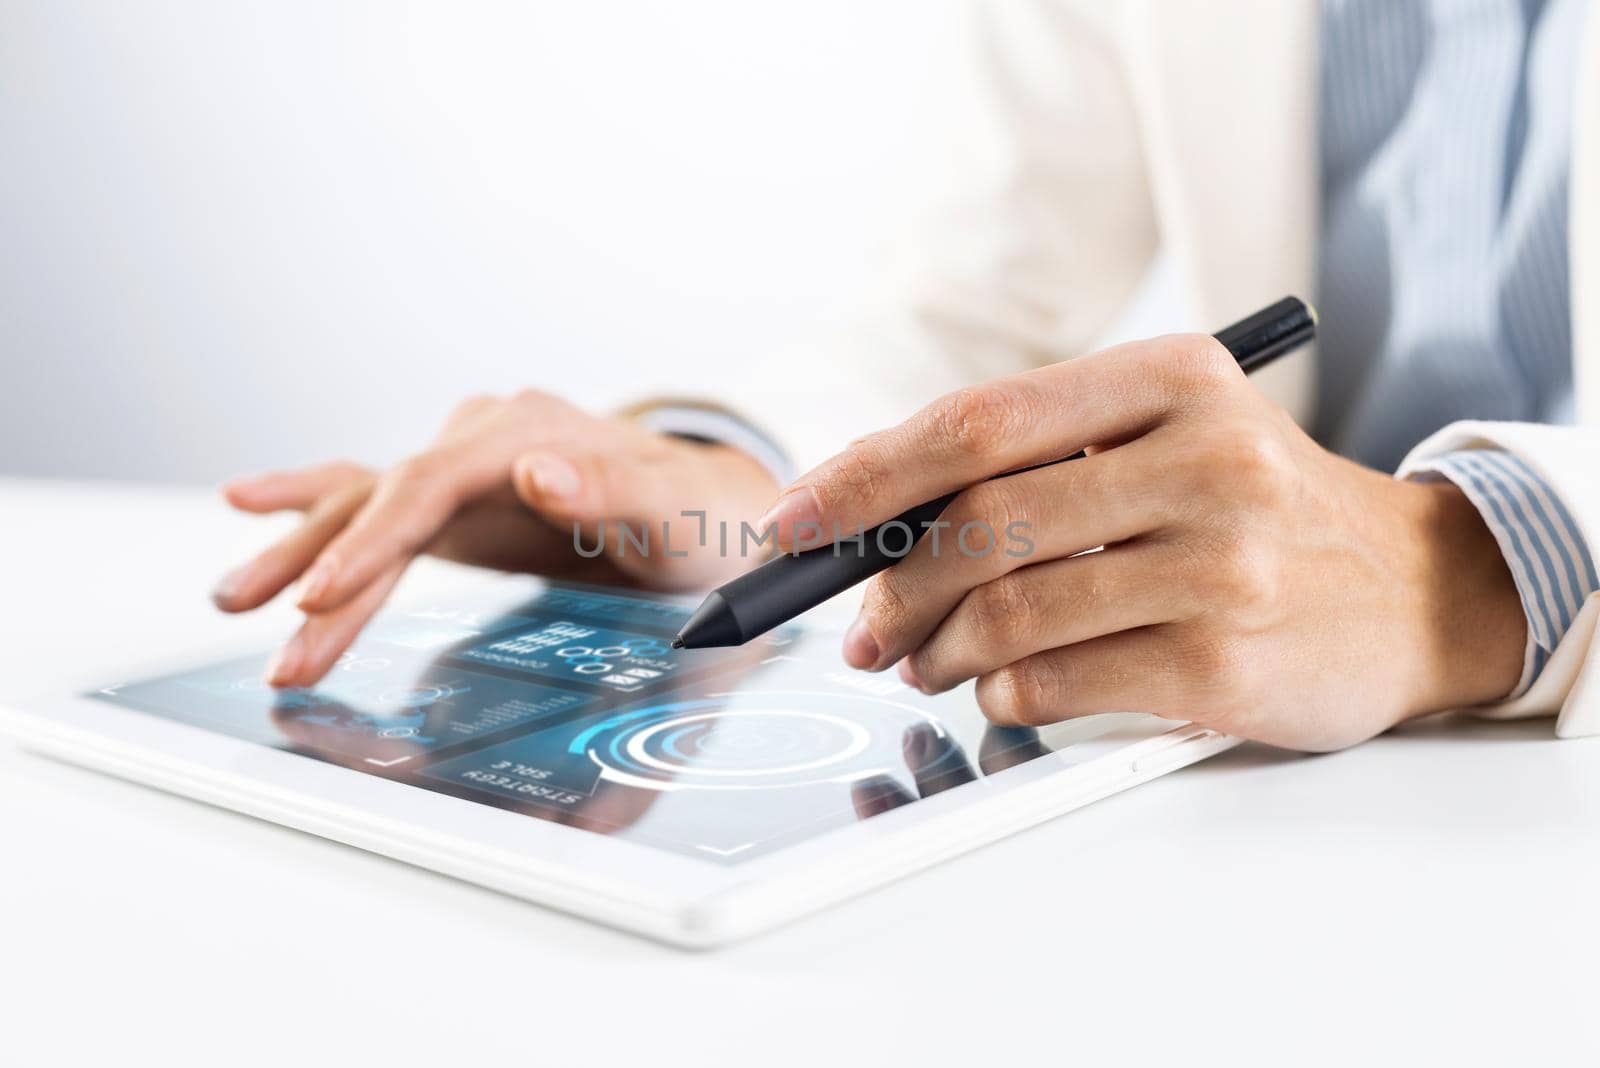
(858, 475)
(530, 397)
(1241, 573)
(1005, 606)
(993, 504)
(872, 436)
(472, 405)
(983, 519)
(1020, 693)
(973, 421)
(1199, 365)
(1208, 358)
(1238, 465)
(1232, 573)
(1259, 464)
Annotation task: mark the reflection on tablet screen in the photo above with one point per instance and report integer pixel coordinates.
(572, 707)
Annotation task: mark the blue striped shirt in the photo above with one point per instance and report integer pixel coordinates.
(1445, 136)
(1553, 568)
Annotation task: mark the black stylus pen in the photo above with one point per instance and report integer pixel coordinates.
(788, 585)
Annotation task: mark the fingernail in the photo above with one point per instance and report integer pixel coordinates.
(553, 476)
(229, 586)
(795, 507)
(285, 662)
(316, 582)
(860, 647)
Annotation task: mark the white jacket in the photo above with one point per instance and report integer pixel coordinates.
(1104, 129)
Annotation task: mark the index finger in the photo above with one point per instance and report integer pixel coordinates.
(412, 502)
(1000, 426)
(407, 507)
(299, 490)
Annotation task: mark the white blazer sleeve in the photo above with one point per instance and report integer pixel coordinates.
(1567, 459)
(1044, 227)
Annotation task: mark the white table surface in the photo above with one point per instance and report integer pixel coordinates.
(1430, 893)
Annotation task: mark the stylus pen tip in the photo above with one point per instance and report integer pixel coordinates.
(677, 641)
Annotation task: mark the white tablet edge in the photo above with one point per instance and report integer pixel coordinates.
(628, 885)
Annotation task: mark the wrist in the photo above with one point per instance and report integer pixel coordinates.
(1474, 631)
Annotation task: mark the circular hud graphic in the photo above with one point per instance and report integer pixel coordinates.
(596, 660)
(751, 741)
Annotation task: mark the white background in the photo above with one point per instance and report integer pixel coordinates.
(238, 235)
(294, 230)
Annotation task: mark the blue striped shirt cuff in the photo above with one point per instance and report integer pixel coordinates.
(1549, 561)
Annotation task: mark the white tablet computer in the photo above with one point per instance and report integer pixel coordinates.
(544, 740)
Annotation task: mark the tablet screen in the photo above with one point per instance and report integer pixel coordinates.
(569, 705)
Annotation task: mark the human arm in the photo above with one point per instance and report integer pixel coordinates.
(1249, 579)
(1536, 487)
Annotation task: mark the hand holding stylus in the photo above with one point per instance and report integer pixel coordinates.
(1250, 580)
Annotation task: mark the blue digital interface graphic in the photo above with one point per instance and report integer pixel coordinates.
(570, 707)
(374, 707)
(580, 653)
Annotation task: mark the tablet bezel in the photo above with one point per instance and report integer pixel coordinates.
(677, 898)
